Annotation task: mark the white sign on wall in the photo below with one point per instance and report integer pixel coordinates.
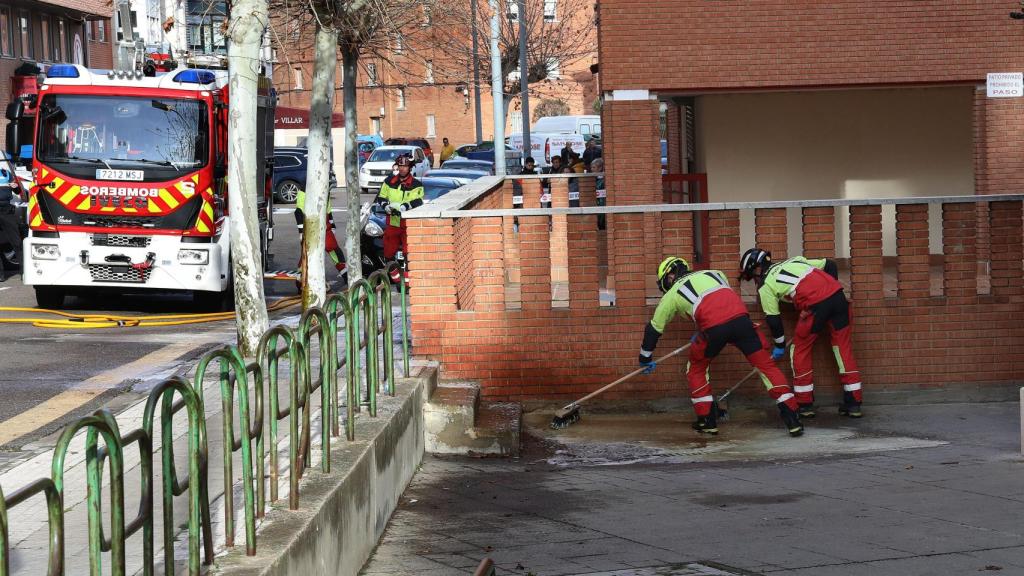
(1005, 84)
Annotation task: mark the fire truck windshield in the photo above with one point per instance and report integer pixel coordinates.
(154, 138)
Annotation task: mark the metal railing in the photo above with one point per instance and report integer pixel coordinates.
(350, 323)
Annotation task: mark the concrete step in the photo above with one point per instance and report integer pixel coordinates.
(456, 422)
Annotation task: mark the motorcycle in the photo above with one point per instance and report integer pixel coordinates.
(372, 221)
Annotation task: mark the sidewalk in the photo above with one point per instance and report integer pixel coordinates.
(908, 490)
(28, 521)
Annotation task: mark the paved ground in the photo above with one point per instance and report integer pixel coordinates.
(50, 377)
(909, 490)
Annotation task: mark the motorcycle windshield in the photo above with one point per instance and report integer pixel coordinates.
(123, 137)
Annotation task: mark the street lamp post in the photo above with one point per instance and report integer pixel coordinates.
(524, 80)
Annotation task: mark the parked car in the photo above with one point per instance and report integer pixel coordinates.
(290, 164)
(474, 165)
(462, 176)
(378, 166)
(421, 142)
(463, 151)
(436, 186)
(545, 144)
(588, 126)
(364, 151)
(485, 151)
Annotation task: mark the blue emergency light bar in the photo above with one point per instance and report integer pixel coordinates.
(195, 77)
(62, 71)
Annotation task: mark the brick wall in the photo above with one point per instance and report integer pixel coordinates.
(912, 341)
(697, 45)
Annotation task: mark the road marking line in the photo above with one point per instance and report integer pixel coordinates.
(86, 391)
(5, 288)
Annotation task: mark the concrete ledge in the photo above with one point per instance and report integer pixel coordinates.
(343, 514)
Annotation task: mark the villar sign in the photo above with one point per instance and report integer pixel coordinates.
(1005, 84)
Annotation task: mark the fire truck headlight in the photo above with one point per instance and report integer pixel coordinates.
(195, 257)
(45, 252)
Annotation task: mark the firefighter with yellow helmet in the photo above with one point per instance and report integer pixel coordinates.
(721, 318)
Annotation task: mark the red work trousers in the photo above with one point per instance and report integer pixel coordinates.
(741, 333)
(834, 313)
(394, 240)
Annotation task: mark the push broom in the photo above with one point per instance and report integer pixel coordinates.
(571, 412)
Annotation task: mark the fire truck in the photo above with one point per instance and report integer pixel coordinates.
(129, 185)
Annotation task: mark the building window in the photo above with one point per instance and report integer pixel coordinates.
(25, 35)
(375, 122)
(45, 39)
(429, 77)
(554, 69)
(297, 77)
(371, 74)
(89, 34)
(431, 128)
(60, 52)
(6, 32)
(428, 17)
(398, 43)
(101, 30)
(550, 10)
(401, 98)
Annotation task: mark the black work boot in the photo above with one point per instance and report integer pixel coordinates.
(805, 410)
(850, 406)
(792, 420)
(706, 424)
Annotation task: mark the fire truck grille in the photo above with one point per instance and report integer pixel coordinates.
(120, 241)
(107, 273)
(120, 221)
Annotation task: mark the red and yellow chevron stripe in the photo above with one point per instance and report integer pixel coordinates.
(168, 197)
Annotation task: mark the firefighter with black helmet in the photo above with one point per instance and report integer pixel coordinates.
(721, 318)
(400, 192)
(811, 285)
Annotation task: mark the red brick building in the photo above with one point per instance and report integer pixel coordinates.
(846, 111)
(48, 31)
(420, 90)
(802, 99)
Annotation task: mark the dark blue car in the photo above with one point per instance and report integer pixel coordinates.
(290, 165)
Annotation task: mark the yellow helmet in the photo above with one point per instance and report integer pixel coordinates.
(673, 266)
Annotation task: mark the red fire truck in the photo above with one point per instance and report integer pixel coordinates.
(130, 186)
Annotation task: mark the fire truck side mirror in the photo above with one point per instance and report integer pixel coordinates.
(15, 110)
(220, 171)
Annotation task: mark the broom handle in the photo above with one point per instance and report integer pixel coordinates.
(737, 385)
(630, 375)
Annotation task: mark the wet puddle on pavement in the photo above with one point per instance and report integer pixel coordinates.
(605, 439)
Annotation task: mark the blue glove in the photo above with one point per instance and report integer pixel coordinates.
(778, 352)
(649, 367)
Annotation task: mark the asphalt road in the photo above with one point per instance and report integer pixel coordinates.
(51, 376)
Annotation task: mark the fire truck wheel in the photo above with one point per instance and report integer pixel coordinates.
(206, 301)
(50, 297)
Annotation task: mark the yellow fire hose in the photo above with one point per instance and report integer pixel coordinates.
(73, 321)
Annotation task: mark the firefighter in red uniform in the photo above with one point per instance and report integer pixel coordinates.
(812, 287)
(721, 318)
(400, 192)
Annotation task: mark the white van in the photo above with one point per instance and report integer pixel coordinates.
(544, 145)
(587, 126)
